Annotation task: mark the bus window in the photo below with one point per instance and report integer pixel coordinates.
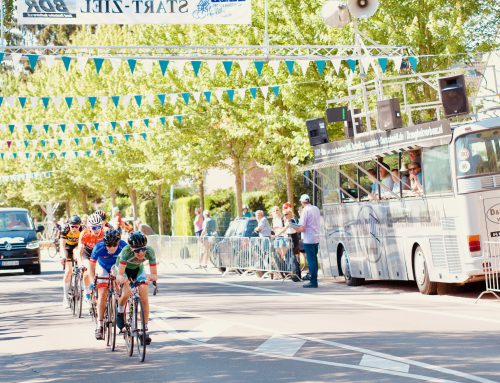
(478, 153)
(330, 184)
(436, 170)
(349, 189)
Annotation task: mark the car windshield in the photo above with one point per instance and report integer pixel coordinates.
(478, 153)
(15, 220)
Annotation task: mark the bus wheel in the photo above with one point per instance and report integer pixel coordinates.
(346, 271)
(424, 283)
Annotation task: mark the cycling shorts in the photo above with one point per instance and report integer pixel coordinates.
(101, 272)
(68, 252)
(138, 275)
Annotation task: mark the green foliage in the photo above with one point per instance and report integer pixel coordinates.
(255, 200)
(148, 213)
(221, 201)
(184, 215)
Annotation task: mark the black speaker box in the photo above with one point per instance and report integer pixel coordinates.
(389, 114)
(453, 95)
(316, 128)
(336, 114)
(349, 126)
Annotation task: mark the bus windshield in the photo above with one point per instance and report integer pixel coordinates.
(478, 153)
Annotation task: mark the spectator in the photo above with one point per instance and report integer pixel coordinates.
(263, 227)
(246, 213)
(208, 233)
(385, 177)
(286, 205)
(373, 179)
(309, 226)
(279, 239)
(198, 222)
(415, 156)
(288, 217)
(116, 219)
(13, 221)
(415, 177)
(397, 177)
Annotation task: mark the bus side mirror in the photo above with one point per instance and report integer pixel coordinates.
(40, 229)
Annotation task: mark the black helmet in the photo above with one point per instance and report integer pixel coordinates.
(101, 213)
(137, 239)
(75, 220)
(112, 237)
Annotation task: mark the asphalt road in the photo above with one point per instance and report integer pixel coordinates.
(208, 328)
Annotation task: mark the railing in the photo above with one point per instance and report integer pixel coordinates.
(491, 267)
(228, 254)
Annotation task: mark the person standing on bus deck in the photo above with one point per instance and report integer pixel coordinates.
(415, 177)
(416, 156)
(309, 226)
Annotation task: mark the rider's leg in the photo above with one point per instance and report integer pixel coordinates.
(143, 294)
(102, 297)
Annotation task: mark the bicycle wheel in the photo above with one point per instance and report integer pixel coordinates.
(93, 305)
(129, 328)
(109, 320)
(76, 295)
(79, 294)
(113, 323)
(71, 296)
(140, 327)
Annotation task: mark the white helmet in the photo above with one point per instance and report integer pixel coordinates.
(95, 219)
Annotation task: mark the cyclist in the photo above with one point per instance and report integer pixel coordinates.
(90, 236)
(104, 217)
(130, 267)
(70, 234)
(102, 259)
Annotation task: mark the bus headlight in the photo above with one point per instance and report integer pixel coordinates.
(33, 245)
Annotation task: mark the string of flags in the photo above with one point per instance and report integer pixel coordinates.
(146, 64)
(93, 126)
(140, 100)
(26, 176)
(55, 154)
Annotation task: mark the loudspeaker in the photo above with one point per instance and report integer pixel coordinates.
(349, 126)
(454, 95)
(389, 114)
(316, 128)
(336, 114)
(335, 14)
(362, 8)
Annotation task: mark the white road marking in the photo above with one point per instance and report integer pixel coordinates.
(281, 345)
(386, 364)
(208, 330)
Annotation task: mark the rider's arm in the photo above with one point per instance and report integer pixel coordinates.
(154, 273)
(92, 269)
(121, 273)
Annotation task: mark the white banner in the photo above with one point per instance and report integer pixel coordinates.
(134, 11)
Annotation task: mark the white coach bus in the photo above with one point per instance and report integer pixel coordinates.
(431, 235)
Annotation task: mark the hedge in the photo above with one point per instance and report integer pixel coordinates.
(184, 215)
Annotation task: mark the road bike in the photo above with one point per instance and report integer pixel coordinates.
(75, 292)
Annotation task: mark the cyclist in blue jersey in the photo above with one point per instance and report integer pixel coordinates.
(102, 259)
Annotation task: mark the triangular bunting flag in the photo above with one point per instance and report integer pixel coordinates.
(208, 95)
(26, 143)
(130, 123)
(94, 139)
(126, 100)
(49, 60)
(2, 55)
(59, 141)
(9, 143)
(179, 118)
(241, 93)
(276, 90)
(230, 94)
(253, 92)
(163, 66)
(185, 96)
(127, 136)
(320, 65)
(81, 101)
(138, 100)
(212, 66)
(45, 102)
(57, 100)
(264, 90)
(116, 100)
(98, 63)
(12, 127)
(161, 97)
(196, 96)
(82, 62)
(29, 127)
(219, 93)
(33, 59)
(352, 64)
(66, 61)
(397, 62)
(413, 62)
(382, 62)
(46, 127)
(92, 101)
(163, 120)
(196, 67)
(22, 101)
(69, 101)
(365, 62)
(63, 127)
(16, 58)
(244, 66)
(113, 125)
(146, 122)
(131, 64)
(173, 98)
(115, 64)
(336, 65)
(110, 138)
(304, 65)
(147, 66)
(259, 65)
(275, 65)
(80, 126)
(96, 126)
(34, 102)
(227, 66)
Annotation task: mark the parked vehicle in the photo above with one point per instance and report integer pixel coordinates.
(19, 244)
(242, 227)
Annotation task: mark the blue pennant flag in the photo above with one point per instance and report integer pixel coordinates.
(116, 100)
(63, 127)
(161, 97)
(196, 67)
(320, 65)
(77, 141)
(146, 122)
(11, 127)
(110, 138)
(130, 123)
(290, 64)
(80, 126)
(113, 124)
(208, 95)
(43, 143)
(112, 151)
(27, 155)
(69, 101)
(2, 55)
(33, 59)
(127, 137)
(39, 155)
(59, 141)
(1, 98)
(98, 63)
(2, 155)
(179, 118)
(163, 66)
(131, 64)
(46, 128)
(352, 64)
(96, 126)
(66, 61)
(163, 120)
(185, 96)
(22, 101)
(63, 154)
(75, 152)
(92, 101)
(14, 155)
(138, 100)
(382, 62)
(26, 143)
(94, 139)
(45, 102)
(230, 94)
(413, 62)
(259, 65)
(51, 154)
(144, 136)
(227, 66)
(99, 152)
(29, 127)
(253, 92)
(276, 90)
(87, 152)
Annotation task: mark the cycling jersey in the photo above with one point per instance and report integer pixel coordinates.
(127, 257)
(70, 238)
(89, 240)
(100, 254)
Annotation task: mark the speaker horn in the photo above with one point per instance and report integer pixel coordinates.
(362, 8)
(335, 14)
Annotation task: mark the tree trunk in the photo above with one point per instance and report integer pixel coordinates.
(113, 197)
(289, 181)
(83, 198)
(202, 192)
(239, 185)
(133, 199)
(159, 204)
(68, 208)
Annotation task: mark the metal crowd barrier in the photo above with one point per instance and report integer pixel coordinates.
(228, 254)
(491, 267)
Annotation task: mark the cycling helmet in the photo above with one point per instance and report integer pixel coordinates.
(112, 237)
(137, 239)
(94, 219)
(101, 213)
(75, 220)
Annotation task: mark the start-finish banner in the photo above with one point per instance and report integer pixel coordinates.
(134, 11)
